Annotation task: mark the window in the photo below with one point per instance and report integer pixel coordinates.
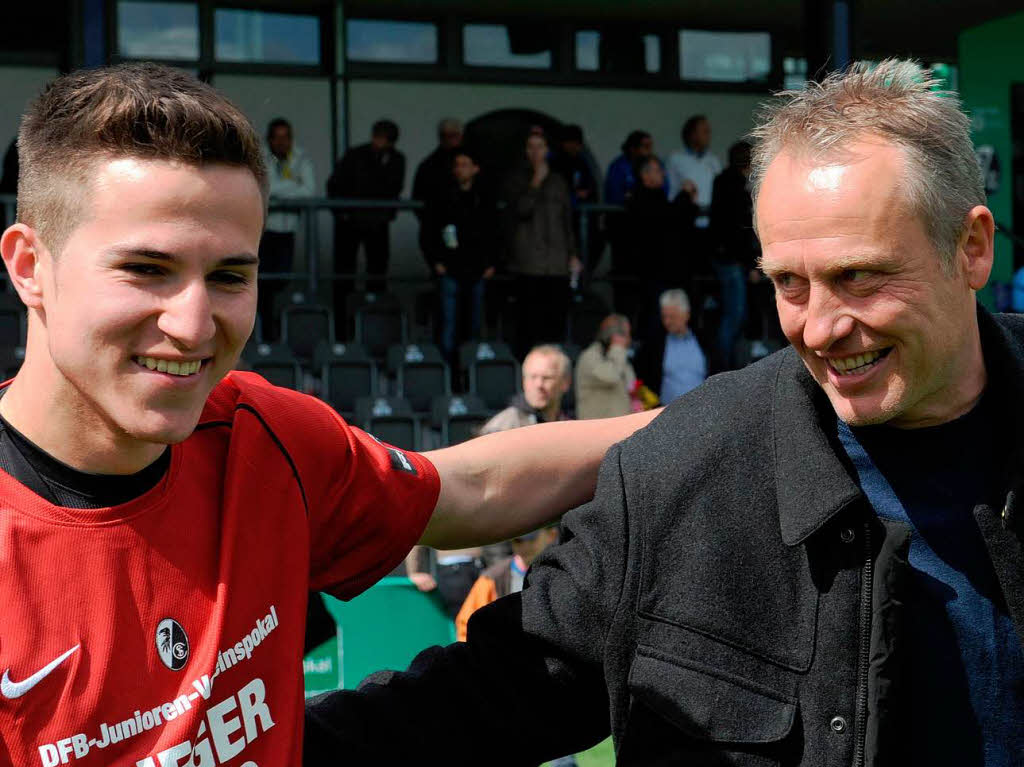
(497, 45)
(257, 36)
(724, 56)
(620, 52)
(158, 30)
(794, 71)
(393, 42)
(587, 44)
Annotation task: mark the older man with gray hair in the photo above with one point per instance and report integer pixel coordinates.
(816, 560)
(673, 363)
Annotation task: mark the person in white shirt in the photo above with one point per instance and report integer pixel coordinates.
(290, 172)
(694, 163)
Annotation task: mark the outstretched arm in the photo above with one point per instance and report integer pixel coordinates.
(533, 663)
(498, 486)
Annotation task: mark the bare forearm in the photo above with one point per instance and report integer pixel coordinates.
(501, 485)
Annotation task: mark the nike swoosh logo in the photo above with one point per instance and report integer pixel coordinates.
(14, 690)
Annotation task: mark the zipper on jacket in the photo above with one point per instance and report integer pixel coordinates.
(867, 578)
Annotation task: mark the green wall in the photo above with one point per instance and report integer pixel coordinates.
(990, 62)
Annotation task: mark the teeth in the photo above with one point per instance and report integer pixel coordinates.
(854, 362)
(170, 366)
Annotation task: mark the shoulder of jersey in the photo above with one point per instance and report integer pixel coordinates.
(244, 388)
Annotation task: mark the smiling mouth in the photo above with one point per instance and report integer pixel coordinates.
(857, 363)
(172, 367)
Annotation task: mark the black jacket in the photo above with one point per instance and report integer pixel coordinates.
(474, 214)
(728, 598)
(365, 174)
(657, 235)
(732, 220)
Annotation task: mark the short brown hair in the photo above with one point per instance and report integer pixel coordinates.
(142, 110)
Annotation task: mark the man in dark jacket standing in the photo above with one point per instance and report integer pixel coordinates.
(816, 560)
(460, 242)
(373, 171)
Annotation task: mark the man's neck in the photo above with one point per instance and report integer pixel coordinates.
(552, 411)
(59, 422)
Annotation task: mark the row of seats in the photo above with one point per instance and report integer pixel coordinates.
(453, 419)
(418, 372)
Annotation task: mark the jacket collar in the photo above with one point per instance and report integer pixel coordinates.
(812, 483)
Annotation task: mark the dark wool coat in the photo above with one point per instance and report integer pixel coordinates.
(728, 598)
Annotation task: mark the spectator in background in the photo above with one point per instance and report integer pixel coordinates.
(543, 247)
(604, 376)
(695, 163)
(459, 235)
(373, 171)
(504, 576)
(572, 163)
(547, 376)
(672, 363)
(434, 174)
(735, 249)
(656, 235)
(290, 174)
(620, 178)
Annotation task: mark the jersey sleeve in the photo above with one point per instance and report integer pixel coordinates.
(367, 502)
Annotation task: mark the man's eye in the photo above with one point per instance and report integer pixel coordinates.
(146, 270)
(229, 278)
(856, 275)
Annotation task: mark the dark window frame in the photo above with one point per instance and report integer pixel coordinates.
(773, 78)
(207, 65)
(563, 73)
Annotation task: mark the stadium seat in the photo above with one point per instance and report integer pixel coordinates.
(495, 381)
(347, 373)
(379, 326)
(389, 419)
(471, 351)
(421, 372)
(275, 362)
(459, 417)
(304, 327)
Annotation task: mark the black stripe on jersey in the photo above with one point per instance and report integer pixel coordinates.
(295, 471)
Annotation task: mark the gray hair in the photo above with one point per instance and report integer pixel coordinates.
(675, 297)
(552, 350)
(899, 102)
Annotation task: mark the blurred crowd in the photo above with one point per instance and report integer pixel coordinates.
(680, 236)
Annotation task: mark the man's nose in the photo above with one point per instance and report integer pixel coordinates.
(825, 321)
(187, 316)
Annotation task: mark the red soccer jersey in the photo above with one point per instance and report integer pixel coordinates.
(168, 631)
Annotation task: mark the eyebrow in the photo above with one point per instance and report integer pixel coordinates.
(839, 264)
(236, 259)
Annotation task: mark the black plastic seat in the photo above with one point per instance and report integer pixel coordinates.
(275, 362)
(495, 381)
(389, 419)
(347, 373)
(306, 326)
(379, 326)
(459, 417)
(422, 374)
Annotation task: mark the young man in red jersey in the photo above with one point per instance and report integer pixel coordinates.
(163, 518)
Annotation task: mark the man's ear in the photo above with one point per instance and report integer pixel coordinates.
(23, 252)
(976, 246)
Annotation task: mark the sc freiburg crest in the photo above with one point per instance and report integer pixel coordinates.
(172, 644)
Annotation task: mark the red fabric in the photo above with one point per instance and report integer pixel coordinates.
(223, 547)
